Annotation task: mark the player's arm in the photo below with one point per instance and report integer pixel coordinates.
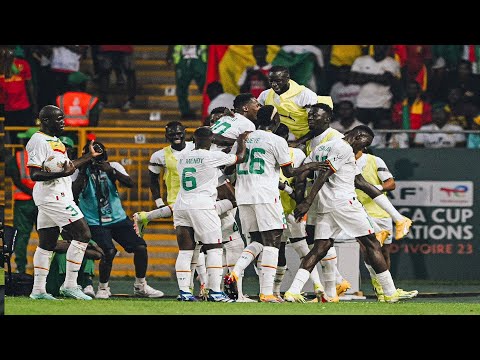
(387, 185)
(93, 151)
(289, 171)
(303, 207)
(155, 165)
(302, 140)
(286, 187)
(241, 148)
(221, 140)
(366, 187)
(37, 174)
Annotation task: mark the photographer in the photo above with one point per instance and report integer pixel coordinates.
(95, 186)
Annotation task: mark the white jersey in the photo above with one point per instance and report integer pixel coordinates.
(157, 160)
(325, 136)
(340, 187)
(231, 127)
(199, 178)
(382, 169)
(258, 175)
(39, 148)
(298, 157)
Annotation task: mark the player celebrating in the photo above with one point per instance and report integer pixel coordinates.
(56, 209)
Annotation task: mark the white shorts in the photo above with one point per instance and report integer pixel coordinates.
(384, 224)
(205, 223)
(294, 229)
(312, 212)
(59, 213)
(352, 219)
(262, 217)
(229, 226)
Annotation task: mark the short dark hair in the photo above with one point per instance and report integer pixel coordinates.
(264, 115)
(203, 132)
(282, 131)
(172, 124)
(219, 110)
(241, 100)
(363, 129)
(279, 68)
(324, 107)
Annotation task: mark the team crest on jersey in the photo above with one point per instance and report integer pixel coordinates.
(57, 145)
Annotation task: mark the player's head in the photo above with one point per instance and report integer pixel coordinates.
(203, 137)
(282, 131)
(175, 134)
(247, 105)
(217, 113)
(319, 117)
(279, 78)
(52, 120)
(268, 118)
(359, 137)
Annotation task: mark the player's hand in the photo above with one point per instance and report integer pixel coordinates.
(301, 210)
(319, 166)
(68, 167)
(243, 136)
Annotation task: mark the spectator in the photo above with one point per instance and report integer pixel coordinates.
(413, 112)
(437, 89)
(342, 55)
(117, 56)
(415, 62)
(450, 53)
(254, 79)
(378, 75)
(95, 184)
(345, 119)
(80, 107)
(43, 78)
(218, 98)
(18, 94)
(440, 140)
(461, 112)
(474, 139)
(190, 64)
(464, 79)
(65, 60)
(24, 209)
(342, 89)
(304, 63)
(384, 140)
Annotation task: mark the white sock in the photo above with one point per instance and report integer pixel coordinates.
(329, 263)
(103, 285)
(259, 271)
(372, 273)
(233, 251)
(163, 212)
(269, 268)
(279, 275)
(140, 281)
(41, 267)
(202, 269)
(222, 206)
(247, 256)
(301, 248)
(183, 270)
(214, 268)
(385, 279)
(298, 283)
(75, 254)
(386, 205)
